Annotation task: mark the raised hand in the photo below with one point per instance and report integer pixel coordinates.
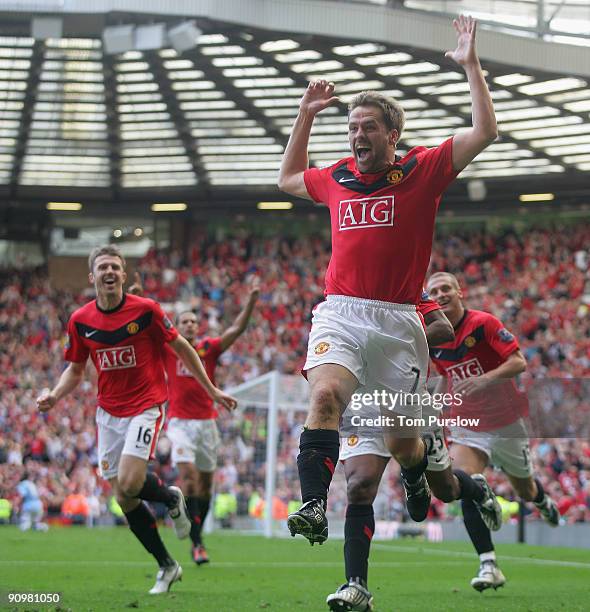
(255, 287)
(465, 53)
(317, 96)
(137, 287)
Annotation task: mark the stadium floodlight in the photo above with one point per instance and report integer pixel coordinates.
(536, 197)
(169, 207)
(150, 37)
(274, 205)
(476, 190)
(64, 206)
(118, 39)
(184, 36)
(43, 28)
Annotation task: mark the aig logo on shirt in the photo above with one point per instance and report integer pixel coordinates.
(461, 371)
(369, 212)
(116, 358)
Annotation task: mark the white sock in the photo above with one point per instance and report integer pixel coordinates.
(489, 556)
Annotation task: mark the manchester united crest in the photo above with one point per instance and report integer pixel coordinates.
(104, 464)
(321, 348)
(469, 341)
(132, 327)
(395, 176)
(353, 440)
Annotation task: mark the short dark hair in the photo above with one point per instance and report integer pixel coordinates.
(183, 312)
(106, 249)
(393, 113)
(452, 278)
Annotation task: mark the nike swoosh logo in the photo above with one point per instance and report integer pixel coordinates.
(88, 334)
(343, 180)
(437, 354)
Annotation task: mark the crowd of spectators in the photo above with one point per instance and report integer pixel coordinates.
(537, 282)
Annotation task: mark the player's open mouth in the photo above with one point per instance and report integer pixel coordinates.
(362, 153)
(109, 282)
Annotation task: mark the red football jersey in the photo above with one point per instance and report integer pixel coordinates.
(125, 344)
(382, 224)
(188, 399)
(481, 344)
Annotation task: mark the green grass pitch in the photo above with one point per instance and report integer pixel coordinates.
(106, 569)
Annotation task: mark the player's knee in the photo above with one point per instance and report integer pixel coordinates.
(405, 451)
(327, 401)
(361, 490)
(129, 486)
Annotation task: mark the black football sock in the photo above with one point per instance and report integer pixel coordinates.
(478, 532)
(358, 531)
(540, 499)
(470, 489)
(412, 474)
(192, 503)
(155, 490)
(318, 456)
(143, 525)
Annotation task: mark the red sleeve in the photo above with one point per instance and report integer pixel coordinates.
(317, 183)
(499, 338)
(437, 166)
(75, 351)
(215, 347)
(162, 326)
(426, 304)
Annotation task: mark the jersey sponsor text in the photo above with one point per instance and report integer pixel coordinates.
(116, 358)
(465, 370)
(365, 213)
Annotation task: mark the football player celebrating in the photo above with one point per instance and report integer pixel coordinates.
(124, 335)
(481, 364)
(368, 333)
(192, 429)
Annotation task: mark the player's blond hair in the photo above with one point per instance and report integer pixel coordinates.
(452, 278)
(105, 249)
(393, 113)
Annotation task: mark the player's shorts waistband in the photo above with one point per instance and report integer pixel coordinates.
(349, 299)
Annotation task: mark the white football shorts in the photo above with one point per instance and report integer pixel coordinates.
(136, 436)
(507, 448)
(381, 343)
(194, 441)
(438, 455)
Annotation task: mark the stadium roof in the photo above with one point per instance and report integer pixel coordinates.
(212, 121)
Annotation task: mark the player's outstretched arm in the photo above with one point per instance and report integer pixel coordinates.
(317, 96)
(238, 327)
(70, 378)
(193, 363)
(484, 130)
